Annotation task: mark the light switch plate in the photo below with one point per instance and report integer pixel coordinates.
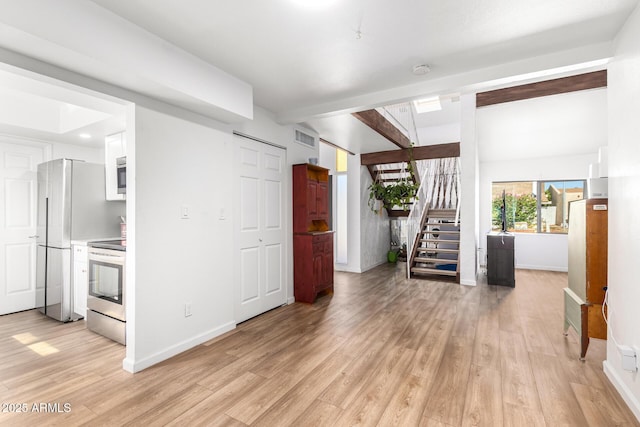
(185, 212)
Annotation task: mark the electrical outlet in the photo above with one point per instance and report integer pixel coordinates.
(629, 359)
(187, 309)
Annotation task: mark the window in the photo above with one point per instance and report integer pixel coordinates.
(535, 206)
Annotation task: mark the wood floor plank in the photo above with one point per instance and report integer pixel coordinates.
(486, 346)
(518, 382)
(559, 404)
(599, 409)
(209, 411)
(373, 399)
(298, 400)
(382, 350)
(407, 404)
(447, 396)
(319, 414)
(509, 311)
(483, 404)
(535, 335)
(173, 407)
(519, 416)
(257, 401)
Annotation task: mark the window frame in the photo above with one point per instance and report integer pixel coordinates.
(539, 186)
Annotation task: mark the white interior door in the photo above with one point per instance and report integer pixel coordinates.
(19, 181)
(260, 228)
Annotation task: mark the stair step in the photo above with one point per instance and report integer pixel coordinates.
(447, 223)
(423, 270)
(441, 231)
(379, 171)
(435, 260)
(438, 250)
(441, 213)
(438, 241)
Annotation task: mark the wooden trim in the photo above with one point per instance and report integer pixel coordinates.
(384, 127)
(593, 80)
(424, 152)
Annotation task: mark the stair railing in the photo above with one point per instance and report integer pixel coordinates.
(439, 189)
(414, 220)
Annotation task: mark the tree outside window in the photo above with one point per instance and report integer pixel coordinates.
(528, 213)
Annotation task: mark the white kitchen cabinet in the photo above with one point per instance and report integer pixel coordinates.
(80, 278)
(114, 146)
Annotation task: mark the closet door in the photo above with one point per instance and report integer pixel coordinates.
(260, 230)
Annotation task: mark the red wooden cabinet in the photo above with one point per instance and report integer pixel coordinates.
(312, 239)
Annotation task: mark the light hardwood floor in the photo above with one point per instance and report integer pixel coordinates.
(382, 350)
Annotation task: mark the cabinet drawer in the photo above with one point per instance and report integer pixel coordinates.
(322, 238)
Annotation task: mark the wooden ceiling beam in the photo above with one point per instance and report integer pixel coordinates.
(424, 152)
(593, 80)
(384, 127)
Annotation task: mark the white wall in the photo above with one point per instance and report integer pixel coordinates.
(57, 150)
(177, 162)
(624, 205)
(71, 151)
(364, 228)
(533, 251)
(375, 237)
(469, 191)
(439, 134)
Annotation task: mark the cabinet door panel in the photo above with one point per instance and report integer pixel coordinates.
(322, 200)
(312, 205)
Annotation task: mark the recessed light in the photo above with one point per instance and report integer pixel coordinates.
(421, 69)
(85, 136)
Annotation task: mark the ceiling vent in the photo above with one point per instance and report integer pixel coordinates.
(305, 138)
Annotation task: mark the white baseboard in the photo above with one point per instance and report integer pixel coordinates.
(468, 282)
(542, 267)
(369, 267)
(137, 366)
(291, 300)
(344, 269)
(622, 388)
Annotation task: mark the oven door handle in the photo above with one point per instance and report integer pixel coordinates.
(112, 259)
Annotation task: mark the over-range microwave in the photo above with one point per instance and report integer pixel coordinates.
(121, 173)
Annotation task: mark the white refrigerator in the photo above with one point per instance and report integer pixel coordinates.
(71, 206)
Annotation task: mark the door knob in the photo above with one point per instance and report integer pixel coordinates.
(259, 240)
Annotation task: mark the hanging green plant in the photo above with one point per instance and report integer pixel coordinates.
(401, 193)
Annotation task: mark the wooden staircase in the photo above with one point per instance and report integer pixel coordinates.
(436, 252)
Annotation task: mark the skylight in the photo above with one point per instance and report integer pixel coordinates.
(426, 105)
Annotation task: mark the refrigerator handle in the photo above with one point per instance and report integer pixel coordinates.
(34, 236)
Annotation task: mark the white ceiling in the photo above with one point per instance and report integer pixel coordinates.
(308, 65)
(44, 109)
(297, 57)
